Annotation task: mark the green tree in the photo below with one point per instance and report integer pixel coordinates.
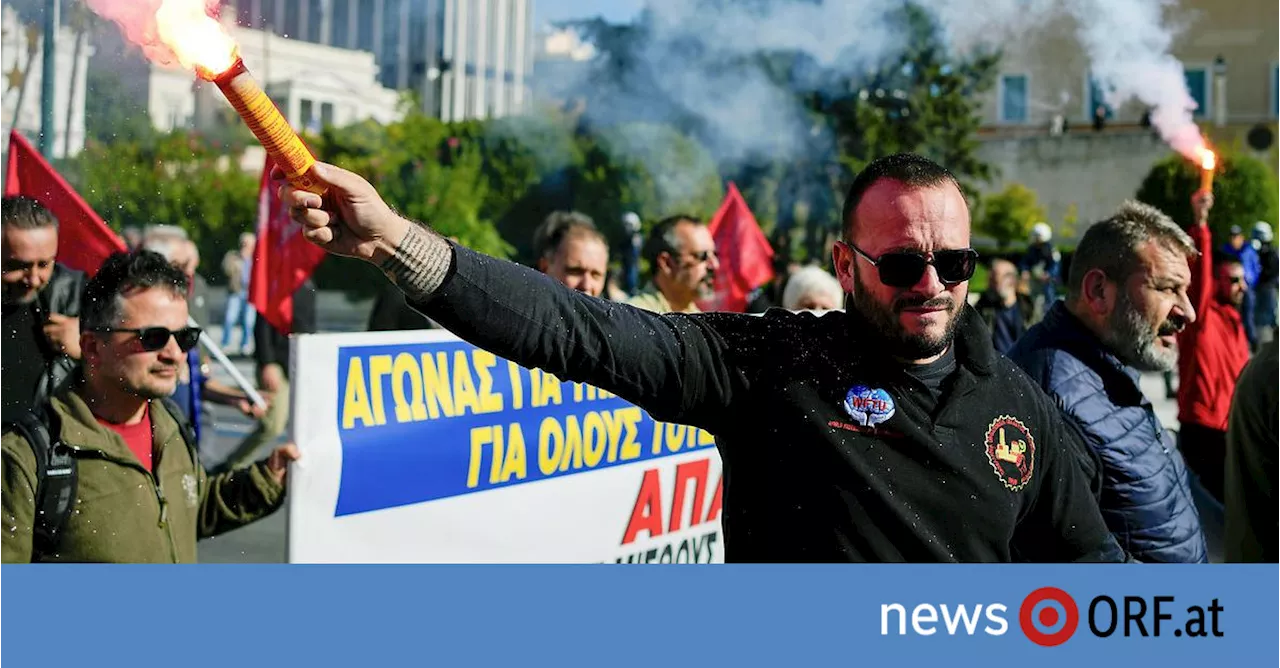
(422, 174)
(924, 99)
(1009, 215)
(1070, 220)
(529, 166)
(179, 179)
(1244, 191)
(652, 170)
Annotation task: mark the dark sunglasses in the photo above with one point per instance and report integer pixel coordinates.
(155, 338)
(903, 269)
(702, 256)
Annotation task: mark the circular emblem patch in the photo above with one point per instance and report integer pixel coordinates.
(868, 405)
(1011, 450)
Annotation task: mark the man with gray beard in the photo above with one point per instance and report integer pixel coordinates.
(1127, 299)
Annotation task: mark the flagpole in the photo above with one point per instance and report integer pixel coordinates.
(48, 76)
(242, 382)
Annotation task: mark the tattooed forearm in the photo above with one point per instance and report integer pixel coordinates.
(420, 263)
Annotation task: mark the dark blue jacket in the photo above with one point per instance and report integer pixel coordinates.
(1146, 496)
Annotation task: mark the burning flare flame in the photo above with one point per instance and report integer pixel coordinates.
(173, 33)
(196, 38)
(1207, 159)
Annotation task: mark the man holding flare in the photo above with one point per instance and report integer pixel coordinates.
(892, 432)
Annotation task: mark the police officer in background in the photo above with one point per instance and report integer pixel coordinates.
(889, 432)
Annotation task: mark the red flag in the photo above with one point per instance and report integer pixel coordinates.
(282, 258)
(746, 258)
(84, 241)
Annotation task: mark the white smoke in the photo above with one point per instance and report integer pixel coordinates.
(1127, 44)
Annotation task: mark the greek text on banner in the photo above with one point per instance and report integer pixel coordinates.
(429, 421)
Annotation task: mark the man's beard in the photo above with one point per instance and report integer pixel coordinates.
(707, 286)
(1134, 342)
(19, 294)
(885, 320)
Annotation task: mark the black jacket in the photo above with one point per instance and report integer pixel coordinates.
(990, 479)
(61, 296)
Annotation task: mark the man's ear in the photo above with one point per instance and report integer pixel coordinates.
(842, 258)
(666, 263)
(1098, 292)
(89, 347)
(543, 264)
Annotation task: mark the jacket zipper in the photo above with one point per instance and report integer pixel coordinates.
(163, 522)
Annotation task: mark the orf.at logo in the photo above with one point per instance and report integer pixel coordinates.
(1048, 616)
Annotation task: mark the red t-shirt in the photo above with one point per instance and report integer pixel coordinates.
(136, 436)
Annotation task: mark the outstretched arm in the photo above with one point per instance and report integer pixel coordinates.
(679, 368)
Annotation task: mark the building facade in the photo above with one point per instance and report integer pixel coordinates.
(461, 58)
(1229, 56)
(21, 50)
(312, 84)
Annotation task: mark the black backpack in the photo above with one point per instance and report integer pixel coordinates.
(57, 477)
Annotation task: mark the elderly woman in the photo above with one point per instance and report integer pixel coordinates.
(812, 289)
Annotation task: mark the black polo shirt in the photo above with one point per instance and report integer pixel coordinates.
(831, 451)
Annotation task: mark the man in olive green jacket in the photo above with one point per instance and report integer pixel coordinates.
(142, 495)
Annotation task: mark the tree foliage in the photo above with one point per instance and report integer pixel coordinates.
(1244, 191)
(1008, 216)
(177, 179)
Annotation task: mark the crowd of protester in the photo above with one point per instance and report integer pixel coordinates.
(111, 366)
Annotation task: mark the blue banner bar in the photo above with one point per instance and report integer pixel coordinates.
(1029, 616)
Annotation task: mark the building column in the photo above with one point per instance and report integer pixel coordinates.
(501, 57)
(402, 52)
(378, 7)
(304, 19)
(478, 109)
(353, 24)
(460, 61)
(520, 53)
(326, 22)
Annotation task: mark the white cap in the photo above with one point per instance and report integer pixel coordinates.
(1041, 232)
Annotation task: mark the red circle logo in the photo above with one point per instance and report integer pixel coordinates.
(1041, 621)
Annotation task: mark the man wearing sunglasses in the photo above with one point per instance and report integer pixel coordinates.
(683, 263)
(141, 494)
(889, 432)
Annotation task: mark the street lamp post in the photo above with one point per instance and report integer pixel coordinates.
(48, 75)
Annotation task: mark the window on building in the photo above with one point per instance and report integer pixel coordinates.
(1198, 87)
(1275, 90)
(365, 27)
(340, 26)
(1013, 98)
(1097, 99)
(306, 113)
(326, 114)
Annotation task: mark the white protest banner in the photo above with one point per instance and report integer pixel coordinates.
(420, 448)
